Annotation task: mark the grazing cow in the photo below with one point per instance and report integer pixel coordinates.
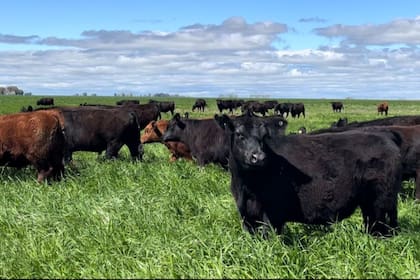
(45, 101)
(229, 105)
(204, 137)
(33, 138)
(255, 107)
(270, 104)
(383, 108)
(312, 179)
(97, 129)
(126, 102)
(27, 109)
(164, 106)
(337, 106)
(297, 109)
(153, 133)
(283, 108)
(199, 104)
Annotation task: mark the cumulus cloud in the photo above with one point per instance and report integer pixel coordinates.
(233, 57)
(399, 31)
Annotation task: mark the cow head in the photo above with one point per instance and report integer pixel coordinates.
(247, 134)
(175, 128)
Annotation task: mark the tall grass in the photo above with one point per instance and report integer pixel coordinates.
(156, 219)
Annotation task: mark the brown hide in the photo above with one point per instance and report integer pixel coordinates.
(153, 133)
(33, 138)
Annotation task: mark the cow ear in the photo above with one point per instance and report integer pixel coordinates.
(224, 121)
(177, 117)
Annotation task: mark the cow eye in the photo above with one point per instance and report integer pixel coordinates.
(280, 123)
(240, 136)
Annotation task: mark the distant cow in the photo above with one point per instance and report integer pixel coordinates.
(100, 129)
(297, 109)
(337, 106)
(270, 104)
(229, 105)
(383, 108)
(27, 109)
(153, 133)
(45, 101)
(164, 106)
(255, 107)
(283, 108)
(33, 138)
(127, 101)
(312, 179)
(199, 104)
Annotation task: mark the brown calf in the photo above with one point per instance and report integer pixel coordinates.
(383, 108)
(153, 133)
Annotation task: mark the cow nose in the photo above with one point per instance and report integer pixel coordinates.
(257, 157)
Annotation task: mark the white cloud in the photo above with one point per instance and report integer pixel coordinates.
(234, 57)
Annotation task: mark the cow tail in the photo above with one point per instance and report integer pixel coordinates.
(134, 119)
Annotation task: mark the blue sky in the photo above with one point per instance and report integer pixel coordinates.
(279, 49)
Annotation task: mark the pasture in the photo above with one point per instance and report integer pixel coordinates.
(157, 219)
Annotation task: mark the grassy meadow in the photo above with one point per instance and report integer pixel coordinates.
(156, 219)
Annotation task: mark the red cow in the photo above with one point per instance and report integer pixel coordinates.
(154, 131)
(33, 138)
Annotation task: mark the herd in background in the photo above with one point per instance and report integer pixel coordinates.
(275, 178)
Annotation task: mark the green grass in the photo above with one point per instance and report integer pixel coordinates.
(156, 219)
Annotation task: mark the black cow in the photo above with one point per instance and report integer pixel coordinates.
(97, 129)
(312, 179)
(145, 112)
(127, 101)
(255, 107)
(342, 126)
(337, 106)
(297, 109)
(408, 129)
(45, 101)
(283, 108)
(164, 106)
(199, 104)
(207, 141)
(270, 104)
(204, 137)
(229, 105)
(27, 109)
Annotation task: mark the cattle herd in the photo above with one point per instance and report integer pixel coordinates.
(313, 178)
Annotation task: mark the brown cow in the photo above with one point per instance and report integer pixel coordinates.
(153, 133)
(33, 138)
(383, 107)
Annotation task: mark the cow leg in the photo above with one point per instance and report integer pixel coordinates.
(136, 151)
(112, 150)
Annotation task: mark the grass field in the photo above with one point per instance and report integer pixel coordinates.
(156, 219)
